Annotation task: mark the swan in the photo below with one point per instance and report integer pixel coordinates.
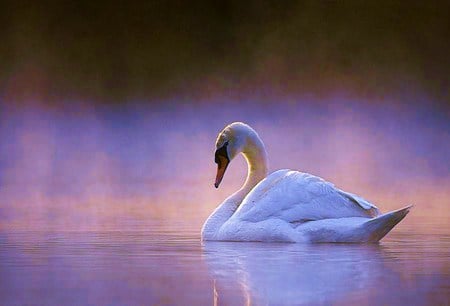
(287, 205)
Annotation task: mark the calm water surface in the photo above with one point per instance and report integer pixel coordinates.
(161, 267)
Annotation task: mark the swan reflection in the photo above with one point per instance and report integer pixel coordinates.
(293, 274)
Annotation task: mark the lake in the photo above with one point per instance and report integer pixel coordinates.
(104, 205)
(173, 267)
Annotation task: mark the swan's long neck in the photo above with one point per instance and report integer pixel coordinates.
(256, 156)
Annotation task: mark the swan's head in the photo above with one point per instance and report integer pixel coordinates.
(230, 142)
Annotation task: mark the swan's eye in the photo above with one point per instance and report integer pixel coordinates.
(226, 143)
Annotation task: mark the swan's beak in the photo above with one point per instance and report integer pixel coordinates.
(221, 167)
(222, 162)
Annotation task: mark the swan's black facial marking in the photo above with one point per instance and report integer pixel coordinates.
(222, 161)
(222, 152)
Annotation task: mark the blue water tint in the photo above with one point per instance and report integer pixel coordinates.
(172, 267)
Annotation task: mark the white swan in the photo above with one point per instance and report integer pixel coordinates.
(288, 206)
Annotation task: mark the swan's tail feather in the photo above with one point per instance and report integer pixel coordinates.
(378, 227)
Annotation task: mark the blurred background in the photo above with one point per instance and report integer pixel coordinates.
(109, 110)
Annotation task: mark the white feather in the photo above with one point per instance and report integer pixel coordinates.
(291, 206)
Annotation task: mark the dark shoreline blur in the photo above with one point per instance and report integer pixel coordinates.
(114, 53)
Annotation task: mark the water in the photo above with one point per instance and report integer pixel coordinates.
(103, 206)
(172, 267)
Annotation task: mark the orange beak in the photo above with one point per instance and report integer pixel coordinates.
(222, 161)
(221, 167)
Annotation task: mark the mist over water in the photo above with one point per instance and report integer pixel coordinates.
(108, 117)
(84, 166)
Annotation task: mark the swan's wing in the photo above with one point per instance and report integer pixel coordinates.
(298, 197)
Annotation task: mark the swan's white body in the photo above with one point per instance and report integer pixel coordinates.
(290, 206)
